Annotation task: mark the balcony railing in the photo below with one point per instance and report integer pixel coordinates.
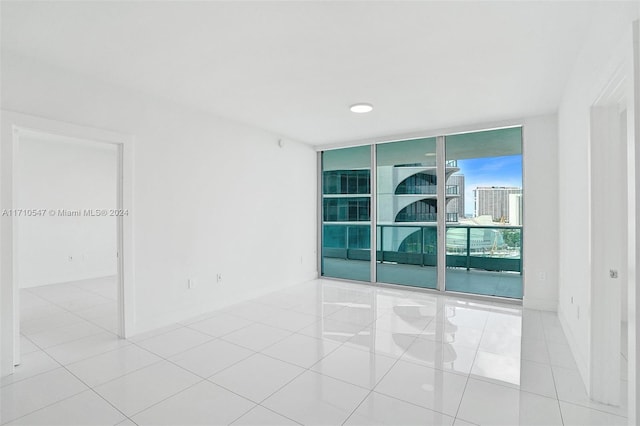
(490, 248)
(452, 190)
(424, 217)
(426, 190)
(416, 217)
(448, 163)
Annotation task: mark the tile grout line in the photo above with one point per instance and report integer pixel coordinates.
(370, 391)
(553, 375)
(297, 332)
(582, 384)
(163, 359)
(388, 371)
(115, 283)
(266, 408)
(207, 379)
(90, 387)
(70, 372)
(46, 352)
(66, 325)
(307, 369)
(469, 375)
(71, 396)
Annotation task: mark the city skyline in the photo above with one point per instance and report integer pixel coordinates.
(491, 171)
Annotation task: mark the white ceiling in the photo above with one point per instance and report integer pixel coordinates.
(295, 67)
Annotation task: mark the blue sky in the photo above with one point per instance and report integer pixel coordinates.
(492, 171)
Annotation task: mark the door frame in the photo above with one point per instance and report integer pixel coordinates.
(620, 93)
(12, 124)
(607, 238)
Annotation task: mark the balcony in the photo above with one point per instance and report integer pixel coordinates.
(480, 259)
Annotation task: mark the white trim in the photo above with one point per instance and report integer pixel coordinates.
(373, 216)
(619, 93)
(319, 215)
(633, 127)
(12, 124)
(441, 202)
(604, 356)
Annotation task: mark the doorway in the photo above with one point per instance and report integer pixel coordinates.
(13, 126)
(67, 230)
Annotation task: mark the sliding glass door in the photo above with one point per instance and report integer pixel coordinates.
(448, 213)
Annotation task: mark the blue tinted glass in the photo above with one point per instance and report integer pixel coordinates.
(346, 213)
(407, 213)
(484, 245)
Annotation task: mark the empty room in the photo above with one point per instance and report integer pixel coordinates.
(319, 212)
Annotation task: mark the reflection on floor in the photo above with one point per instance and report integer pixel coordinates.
(503, 284)
(322, 352)
(357, 270)
(412, 275)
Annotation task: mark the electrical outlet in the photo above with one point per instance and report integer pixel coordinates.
(613, 273)
(219, 277)
(542, 276)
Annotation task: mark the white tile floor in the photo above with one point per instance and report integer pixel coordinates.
(322, 352)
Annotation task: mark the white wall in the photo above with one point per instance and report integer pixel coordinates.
(540, 230)
(57, 174)
(210, 195)
(594, 67)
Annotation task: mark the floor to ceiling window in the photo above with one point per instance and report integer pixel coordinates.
(484, 247)
(407, 213)
(465, 186)
(346, 213)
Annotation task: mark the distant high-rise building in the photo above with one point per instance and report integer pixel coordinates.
(494, 201)
(515, 209)
(455, 185)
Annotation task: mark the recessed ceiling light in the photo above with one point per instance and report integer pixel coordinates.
(361, 108)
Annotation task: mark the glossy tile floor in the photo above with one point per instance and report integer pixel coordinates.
(323, 352)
